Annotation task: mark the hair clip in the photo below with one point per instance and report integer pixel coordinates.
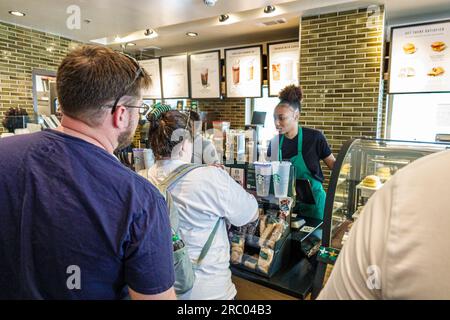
(158, 109)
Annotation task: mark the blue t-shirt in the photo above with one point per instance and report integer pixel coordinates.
(76, 224)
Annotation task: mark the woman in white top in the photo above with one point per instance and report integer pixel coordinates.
(202, 196)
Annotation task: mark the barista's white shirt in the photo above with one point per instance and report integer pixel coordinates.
(203, 196)
(400, 242)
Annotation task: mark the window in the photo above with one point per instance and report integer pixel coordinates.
(419, 116)
(266, 104)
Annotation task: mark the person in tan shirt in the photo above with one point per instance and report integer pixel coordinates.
(398, 248)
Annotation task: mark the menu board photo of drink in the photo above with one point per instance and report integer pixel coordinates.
(152, 67)
(205, 74)
(243, 72)
(420, 58)
(175, 81)
(283, 65)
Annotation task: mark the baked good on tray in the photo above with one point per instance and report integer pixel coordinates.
(371, 181)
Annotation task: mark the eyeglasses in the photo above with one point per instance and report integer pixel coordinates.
(138, 73)
(143, 108)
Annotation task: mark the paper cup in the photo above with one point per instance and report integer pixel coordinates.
(281, 178)
(263, 174)
(138, 156)
(149, 158)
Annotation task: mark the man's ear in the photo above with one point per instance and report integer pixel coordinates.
(120, 117)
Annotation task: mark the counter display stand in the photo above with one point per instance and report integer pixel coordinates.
(362, 167)
(287, 264)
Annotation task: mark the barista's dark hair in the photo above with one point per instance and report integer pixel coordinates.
(291, 95)
(161, 131)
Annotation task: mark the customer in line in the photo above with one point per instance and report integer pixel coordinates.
(302, 146)
(202, 196)
(75, 223)
(398, 248)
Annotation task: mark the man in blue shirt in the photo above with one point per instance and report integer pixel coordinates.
(74, 222)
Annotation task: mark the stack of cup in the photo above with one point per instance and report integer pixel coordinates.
(149, 158)
(263, 172)
(138, 158)
(281, 178)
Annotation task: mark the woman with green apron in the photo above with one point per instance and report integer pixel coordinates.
(304, 147)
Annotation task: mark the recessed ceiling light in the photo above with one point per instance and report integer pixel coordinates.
(192, 34)
(131, 44)
(269, 9)
(17, 13)
(148, 32)
(223, 17)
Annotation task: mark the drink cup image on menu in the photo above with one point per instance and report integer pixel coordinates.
(204, 77)
(276, 71)
(236, 71)
(250, 69)
(287, 70)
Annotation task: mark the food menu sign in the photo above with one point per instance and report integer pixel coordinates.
(205, 75)
(153, 69)
(243, 72)
(175, 79)
(420, 58)
(283, 65)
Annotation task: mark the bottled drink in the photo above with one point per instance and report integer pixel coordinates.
(177, 242)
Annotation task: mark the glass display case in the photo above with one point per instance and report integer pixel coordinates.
(362, 167)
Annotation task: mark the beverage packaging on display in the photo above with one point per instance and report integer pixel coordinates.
(263, 175)
(149, 158)
(138, 156)
(281, 178)
(6, 134)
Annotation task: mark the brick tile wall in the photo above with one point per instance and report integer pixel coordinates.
(232, 109)
(340, 72)
(21, 51)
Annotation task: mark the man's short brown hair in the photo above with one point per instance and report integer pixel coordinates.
(90, 77)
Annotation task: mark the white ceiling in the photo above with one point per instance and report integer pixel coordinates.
(173, 18)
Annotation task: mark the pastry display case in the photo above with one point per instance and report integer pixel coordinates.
(362, 167)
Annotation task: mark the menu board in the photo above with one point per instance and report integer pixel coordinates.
(205, 74)
(283, 65)
(175, 82)
(153, 70)
(243, 72)
(420, 58)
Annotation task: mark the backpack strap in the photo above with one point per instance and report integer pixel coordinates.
(208, 243)
(163, 187)
(177, 174)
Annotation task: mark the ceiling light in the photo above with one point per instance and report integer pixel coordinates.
(148, 32)
(131, 44)
(209, 3)
(269, 9)
(192, 34)
(17, 13)
(117, 39)
(223, 17)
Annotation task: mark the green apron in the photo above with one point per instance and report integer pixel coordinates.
(308, 210)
